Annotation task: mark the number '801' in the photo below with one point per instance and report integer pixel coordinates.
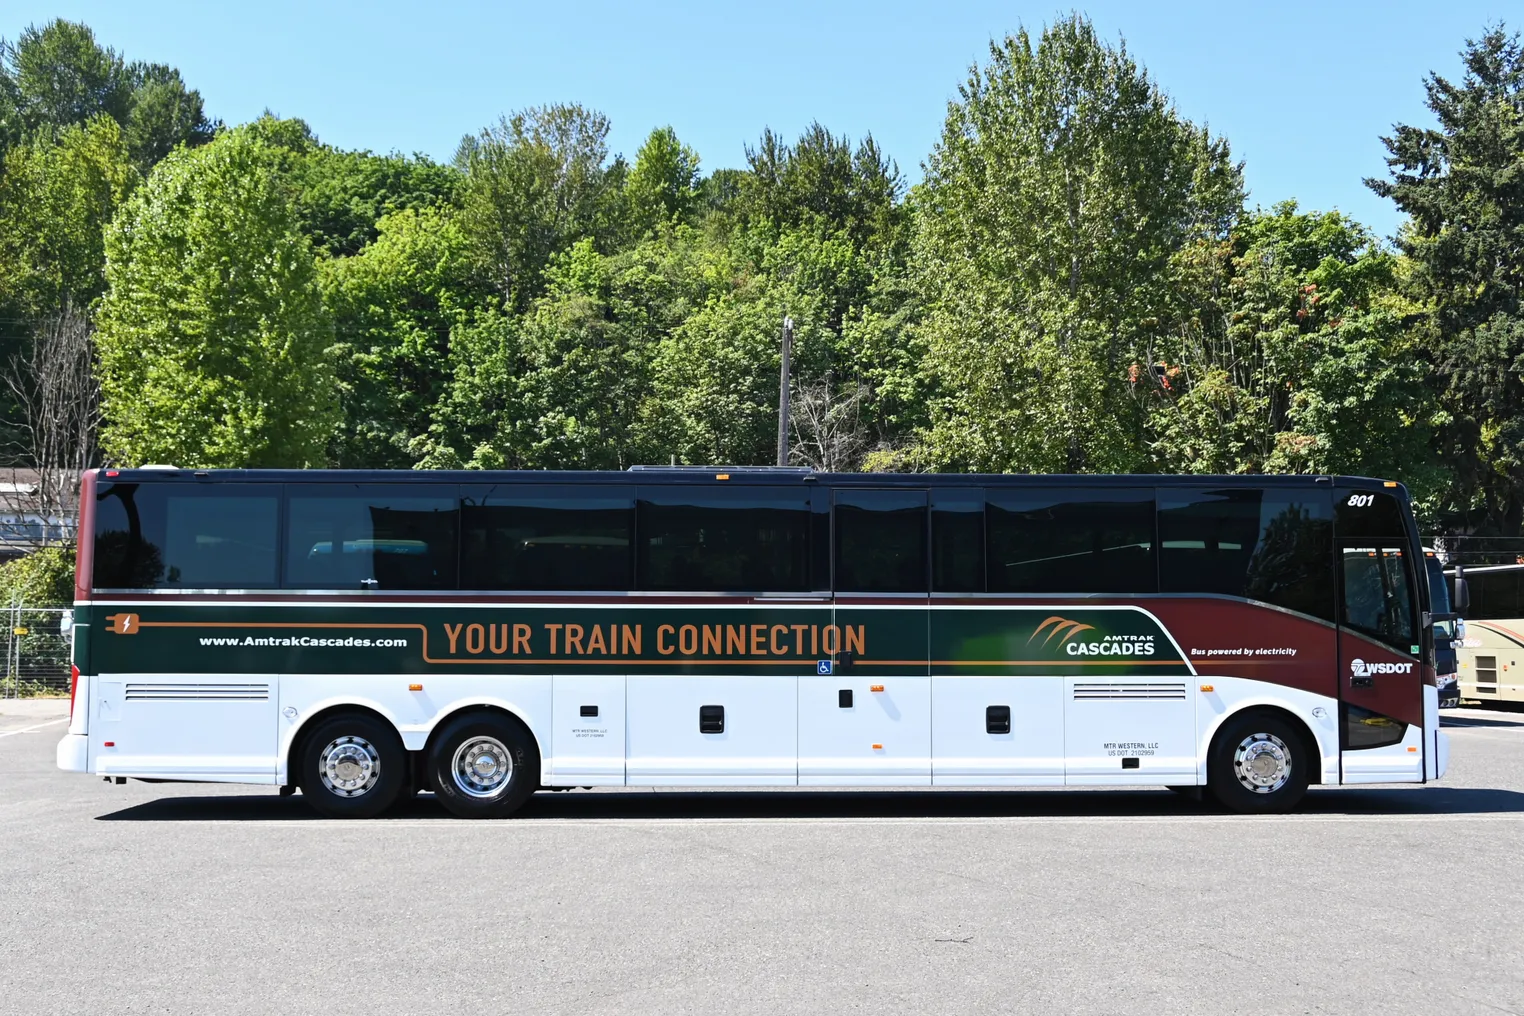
(1361, 500)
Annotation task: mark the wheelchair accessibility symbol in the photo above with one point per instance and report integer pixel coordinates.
(823, 668)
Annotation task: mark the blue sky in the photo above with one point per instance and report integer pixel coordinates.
(1302, 90)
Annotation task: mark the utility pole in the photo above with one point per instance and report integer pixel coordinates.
(788, 348)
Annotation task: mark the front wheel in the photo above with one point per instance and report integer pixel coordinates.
(1259, 764)
(484, 765)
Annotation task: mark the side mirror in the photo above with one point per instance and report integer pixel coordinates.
(1461, 599)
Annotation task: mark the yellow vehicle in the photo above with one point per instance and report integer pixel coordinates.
(1492, 648)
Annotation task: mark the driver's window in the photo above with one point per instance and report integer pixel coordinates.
(1378, 597)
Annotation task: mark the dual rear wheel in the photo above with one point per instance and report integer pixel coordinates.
(479, 764)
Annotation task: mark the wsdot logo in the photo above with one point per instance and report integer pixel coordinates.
(1359, 668)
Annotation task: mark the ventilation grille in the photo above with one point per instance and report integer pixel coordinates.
(198, 692)
(1106, 690)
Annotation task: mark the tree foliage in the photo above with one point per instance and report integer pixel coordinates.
(1062, 188)
(1462, 185)
(1076, 284)
(212, 334)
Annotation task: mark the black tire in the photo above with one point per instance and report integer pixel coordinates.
(357, 739)
(481, 791)
(1287, 771)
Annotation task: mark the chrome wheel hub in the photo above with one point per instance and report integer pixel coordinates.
(481, 767)
(350, 766)
(1262, 763)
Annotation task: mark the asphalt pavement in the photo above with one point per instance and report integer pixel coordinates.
(195, 899)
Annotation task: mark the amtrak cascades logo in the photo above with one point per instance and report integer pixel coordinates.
(1067, 632)
(1359, 668)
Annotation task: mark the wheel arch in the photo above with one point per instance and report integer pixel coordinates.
(1280, 711)
(295, 741)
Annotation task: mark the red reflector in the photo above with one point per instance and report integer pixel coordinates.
(112, 472)
(110, 744)
(73, 689)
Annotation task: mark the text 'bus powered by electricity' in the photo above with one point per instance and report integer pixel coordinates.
(482, 635)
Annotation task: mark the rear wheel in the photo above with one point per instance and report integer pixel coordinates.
(1259, 764)
(352, 766)
(484, 765)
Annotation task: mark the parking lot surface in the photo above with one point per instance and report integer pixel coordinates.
(196, 899)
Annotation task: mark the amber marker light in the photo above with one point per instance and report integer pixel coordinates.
(875, 687)
(1390, 483)
(415, 687)
(722, 476)
(878, 747)
(1206, 687)
(1412, 749)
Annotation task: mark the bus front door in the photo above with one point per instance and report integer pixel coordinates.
(1381, 684)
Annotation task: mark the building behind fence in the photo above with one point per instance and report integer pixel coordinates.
(36, 652)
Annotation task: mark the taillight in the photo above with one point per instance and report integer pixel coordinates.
(73, 689)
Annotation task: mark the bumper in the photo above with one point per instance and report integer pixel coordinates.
(74, 753)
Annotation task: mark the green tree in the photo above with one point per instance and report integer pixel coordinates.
(534, 184)
(1462, 185)
(394, 306)
(211, 334)
(164, 114)
(1299, 357)
(343, 196)
(57, 193)
(1062, 186)
(58, 75)
(663, 184)
(823, 183)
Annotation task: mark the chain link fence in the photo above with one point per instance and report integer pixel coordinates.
(36, 652)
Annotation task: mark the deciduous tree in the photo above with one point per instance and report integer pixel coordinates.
(212, 331)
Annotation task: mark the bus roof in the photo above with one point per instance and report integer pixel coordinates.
(732, 474)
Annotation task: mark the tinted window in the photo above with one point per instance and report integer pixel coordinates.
(1268, 545)
(1366, 729)
(1495, 595)
(733, 539)
(1378, 595)
(881, 541)
(547, 537)
(957, 541)
(1439, 588)
(1070, 541)
(362, 536)
(186, 536)
(1369, 514)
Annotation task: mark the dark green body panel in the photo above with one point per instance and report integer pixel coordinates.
(231, 637)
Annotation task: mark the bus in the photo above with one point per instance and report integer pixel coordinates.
(1493, 646)
(1447, 633)
(362, 636)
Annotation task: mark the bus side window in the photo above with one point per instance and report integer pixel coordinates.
(371, 536)
(957, 540)
(186, 536)
(1271, 545)
(1087, 540)
(547, 537)
(880, 541)
(740, 539)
